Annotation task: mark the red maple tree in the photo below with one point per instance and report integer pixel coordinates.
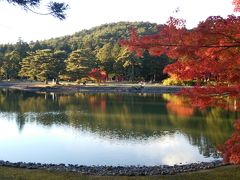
(231, 148)
(98, 75)
(236, 3)
(208, 53)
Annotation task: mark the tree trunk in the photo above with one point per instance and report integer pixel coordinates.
(132, 72)
(46, 81)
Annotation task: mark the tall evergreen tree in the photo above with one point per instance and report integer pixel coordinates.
(79, 63)
(40, 65)
(59, 64)
(10, 64)
(152, 67)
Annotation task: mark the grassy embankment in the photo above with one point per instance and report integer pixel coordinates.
(226, 172)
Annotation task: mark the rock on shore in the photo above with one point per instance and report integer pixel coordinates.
(118, 170)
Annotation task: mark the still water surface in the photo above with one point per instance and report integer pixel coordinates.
(108, 129)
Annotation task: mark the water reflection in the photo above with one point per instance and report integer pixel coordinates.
(221, 97)
(108, 129)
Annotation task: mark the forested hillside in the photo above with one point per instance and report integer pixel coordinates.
(72, 57)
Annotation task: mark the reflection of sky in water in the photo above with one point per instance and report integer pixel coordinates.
(62, 144)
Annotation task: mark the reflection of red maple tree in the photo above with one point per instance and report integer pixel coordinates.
(231, 148)
(226, 98)
(178, 106)
(96, 101)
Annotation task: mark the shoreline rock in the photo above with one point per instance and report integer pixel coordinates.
(118, 170)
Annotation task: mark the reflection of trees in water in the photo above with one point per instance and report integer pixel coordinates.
(20, 120)
(219, 99)
(122, 116)
(177, 106)
(207, 127)
(118, 114)
(19, 101)
(205, 147)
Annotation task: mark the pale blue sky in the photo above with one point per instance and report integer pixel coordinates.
(15, 22)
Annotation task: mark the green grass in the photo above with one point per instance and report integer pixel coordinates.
(226, 172)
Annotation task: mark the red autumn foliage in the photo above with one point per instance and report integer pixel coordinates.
(209, 52)
(98, 75)
(231, 148)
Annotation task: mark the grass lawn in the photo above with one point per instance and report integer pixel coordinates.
(226, 172)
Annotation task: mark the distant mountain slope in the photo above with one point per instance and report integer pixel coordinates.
(96, 37)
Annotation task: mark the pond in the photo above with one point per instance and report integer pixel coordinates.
(109, 129)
